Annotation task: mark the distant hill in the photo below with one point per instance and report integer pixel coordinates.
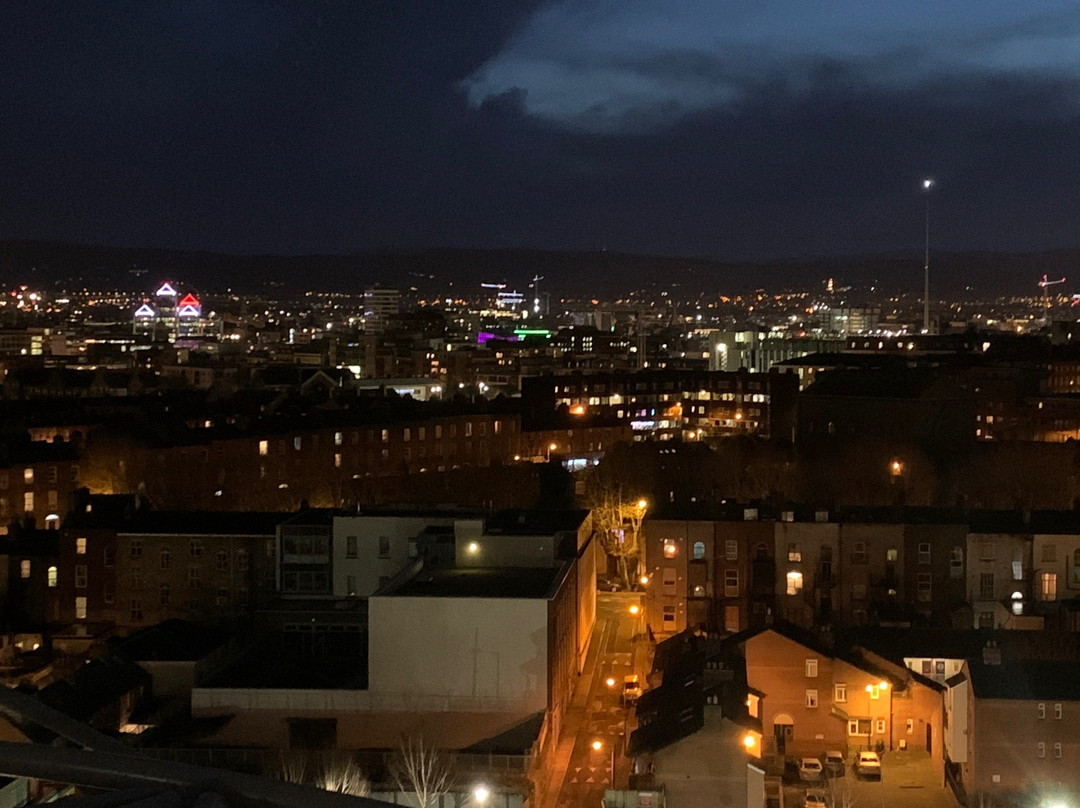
(579, 274)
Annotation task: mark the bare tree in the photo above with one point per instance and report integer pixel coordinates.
(340, 773)
(422, 769)
(841, 797)
(618, 516)
(292, 765)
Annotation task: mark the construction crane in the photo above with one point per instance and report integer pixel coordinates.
(1044, 284)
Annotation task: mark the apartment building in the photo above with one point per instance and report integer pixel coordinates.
(1012, 730)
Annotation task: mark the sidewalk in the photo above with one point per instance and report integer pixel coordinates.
(575, 719)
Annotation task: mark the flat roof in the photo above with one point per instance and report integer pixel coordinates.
(480, 582)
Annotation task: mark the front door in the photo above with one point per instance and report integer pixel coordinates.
(782, 733)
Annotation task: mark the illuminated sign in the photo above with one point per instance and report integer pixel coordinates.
(145, 311)
(188, 311)
(166, 290)
(532, 332)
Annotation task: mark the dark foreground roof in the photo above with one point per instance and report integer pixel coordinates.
(1027, 679)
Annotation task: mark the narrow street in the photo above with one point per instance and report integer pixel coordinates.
(596, 717)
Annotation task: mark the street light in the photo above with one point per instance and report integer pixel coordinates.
(597, 745)
(635, 609)
(642, 504)
(927, 185)
(644, 580)
(610, 681)
(480, 794)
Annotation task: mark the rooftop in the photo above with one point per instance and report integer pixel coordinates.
(1027, 679)
(479, 582)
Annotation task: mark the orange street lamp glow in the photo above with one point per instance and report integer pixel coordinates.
(553, 446)
(578, 410)
(597, 745)
(610, 681)
(642, 504)
(883, 685)
(644, 580)
(635, 609)
(749, 741)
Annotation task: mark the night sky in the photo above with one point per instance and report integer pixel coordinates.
(753, 129)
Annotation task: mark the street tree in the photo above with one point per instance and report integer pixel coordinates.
(421, 768)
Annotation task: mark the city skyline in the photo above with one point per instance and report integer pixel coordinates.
(728, 133)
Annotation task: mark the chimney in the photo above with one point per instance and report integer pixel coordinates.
(991, 654)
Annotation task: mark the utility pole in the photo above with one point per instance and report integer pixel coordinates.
(927, 185)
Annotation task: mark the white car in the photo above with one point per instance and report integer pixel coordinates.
(834, 764)
(810, 769)
(868, 764)
(814, 799)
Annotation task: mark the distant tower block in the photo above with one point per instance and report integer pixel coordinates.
(380, 305)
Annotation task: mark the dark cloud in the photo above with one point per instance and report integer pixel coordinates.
(329, 127)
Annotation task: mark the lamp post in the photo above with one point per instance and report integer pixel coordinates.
(927, 185)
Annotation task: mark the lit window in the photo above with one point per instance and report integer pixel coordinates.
(24, 568)
(811, 698)
(264, 448)
(840, 692)
(874, 691)
(891, 554)
(28, 476)
(794, 583)
(811, 668)
(337, 438)
(53, 577)
(793, 552)
(337, 460)
(28, 501)
(297, 443)
(698, 550)
(80, 546)
(1049, 586)
(80, 608)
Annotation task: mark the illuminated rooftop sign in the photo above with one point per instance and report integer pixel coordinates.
(189, 311)
(145, 311)
(166, 290)
(189, 300)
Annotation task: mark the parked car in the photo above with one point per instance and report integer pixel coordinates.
(834, 764)
(810, 769)
(868, 764)
(814, 799)
(631, 688)
(608, 583)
